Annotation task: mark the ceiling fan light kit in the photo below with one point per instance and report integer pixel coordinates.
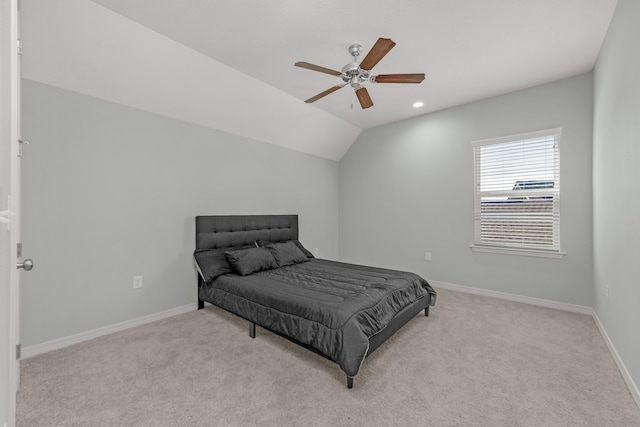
(357, 74)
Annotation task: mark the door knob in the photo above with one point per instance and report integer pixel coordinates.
(27, 264)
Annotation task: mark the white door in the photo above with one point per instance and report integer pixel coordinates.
(10, 209)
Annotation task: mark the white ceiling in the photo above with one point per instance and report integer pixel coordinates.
(229, 64)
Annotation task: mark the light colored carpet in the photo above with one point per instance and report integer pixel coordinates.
(475, 361)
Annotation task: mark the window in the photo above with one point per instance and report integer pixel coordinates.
(517, 194)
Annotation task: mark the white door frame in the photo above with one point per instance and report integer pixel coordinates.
(10, 220)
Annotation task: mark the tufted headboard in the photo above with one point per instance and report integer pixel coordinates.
(226, 231)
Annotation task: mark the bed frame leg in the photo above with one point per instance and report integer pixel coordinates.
(349, 381)
(426, 311)
(252, 330)
(200, 302)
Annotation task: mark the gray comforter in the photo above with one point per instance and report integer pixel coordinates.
(333, 307)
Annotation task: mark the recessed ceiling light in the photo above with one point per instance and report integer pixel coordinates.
(418, 104)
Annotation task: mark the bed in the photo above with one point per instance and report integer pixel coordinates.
(255, 267)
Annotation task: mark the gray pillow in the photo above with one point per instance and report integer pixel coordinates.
(264, 243)
(247, 261)
(212, 263)
(286, 253)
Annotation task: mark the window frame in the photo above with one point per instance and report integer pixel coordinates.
(514, 248)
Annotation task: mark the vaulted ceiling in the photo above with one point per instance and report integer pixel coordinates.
(228, 65)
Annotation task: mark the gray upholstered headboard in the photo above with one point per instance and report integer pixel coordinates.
(225, 231)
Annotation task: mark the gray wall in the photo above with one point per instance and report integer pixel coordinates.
(110, 192)
(407, 188)
(616, 184)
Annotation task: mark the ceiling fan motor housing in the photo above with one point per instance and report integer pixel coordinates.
(354, 75)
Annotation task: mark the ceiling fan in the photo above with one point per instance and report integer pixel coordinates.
(356, 74)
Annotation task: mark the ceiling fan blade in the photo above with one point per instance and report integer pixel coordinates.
(399, 78)
(364, 98)
(323, 94)
(317, 68)
(377, 52)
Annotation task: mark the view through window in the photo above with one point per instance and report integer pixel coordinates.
(517, 191)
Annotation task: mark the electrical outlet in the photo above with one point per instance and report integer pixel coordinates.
(427, 256)
(316, 251)
(606, 291)
(137, 282)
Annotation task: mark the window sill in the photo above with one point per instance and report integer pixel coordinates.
(517, 251)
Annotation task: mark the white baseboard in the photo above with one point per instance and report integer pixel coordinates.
(633, 388)
(45, 347)
(517, 298)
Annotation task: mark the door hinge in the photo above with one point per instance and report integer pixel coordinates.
(19, 46)
(18, 351)
(21, 145)
(19, 250)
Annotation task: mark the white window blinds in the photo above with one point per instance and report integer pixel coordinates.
(517, 191)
